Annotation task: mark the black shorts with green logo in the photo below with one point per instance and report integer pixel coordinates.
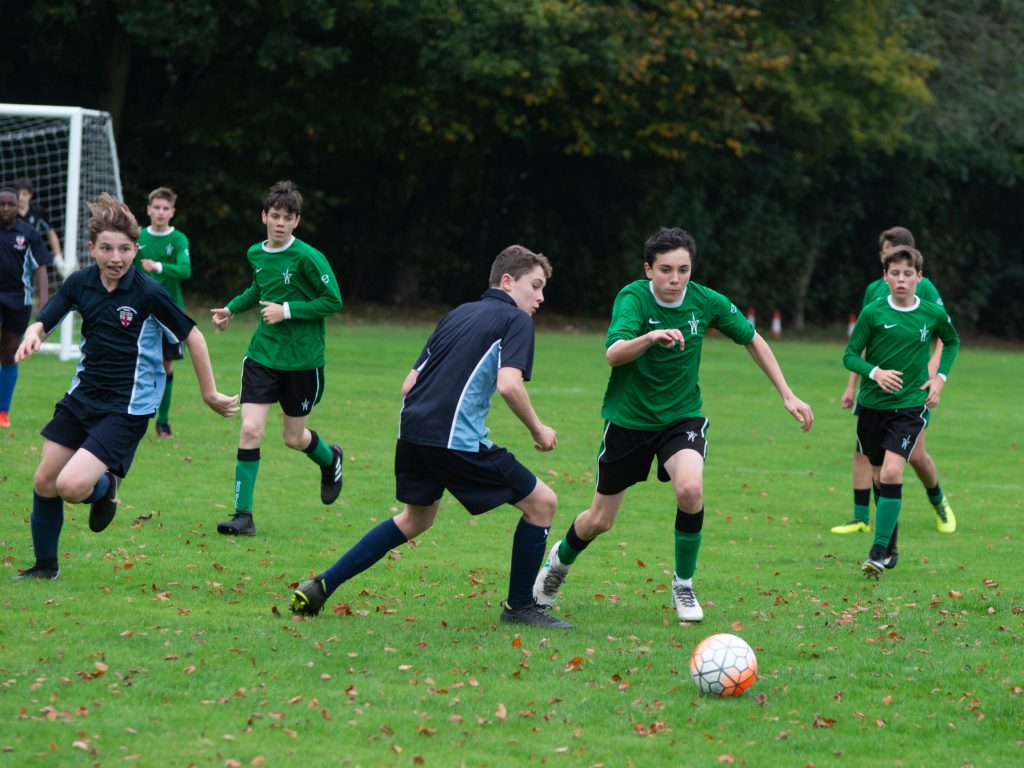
(296, 391)
(626, 454)
(892, 429)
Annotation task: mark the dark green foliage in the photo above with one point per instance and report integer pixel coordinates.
(429, 134)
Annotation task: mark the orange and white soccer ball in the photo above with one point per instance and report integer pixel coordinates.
(723, 665)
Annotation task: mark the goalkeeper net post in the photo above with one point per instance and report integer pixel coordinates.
(69, 155)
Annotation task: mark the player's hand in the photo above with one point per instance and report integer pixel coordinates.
(223, 404)
(28, 345)
(149, 265)
(849, 397)
(667, 337)
(545, 439)
(801, 411)
(934, 386)
(221, 317)
(272, 312)
(890, 381)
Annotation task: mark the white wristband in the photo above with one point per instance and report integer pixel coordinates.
(287, 311)
(872, 374)
(943, 377)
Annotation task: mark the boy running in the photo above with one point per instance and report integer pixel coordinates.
(166, 259)
(22, 258)
(296, 289)
(920, 459)
(91, 440)
(898, 390)
(652, 408)
(478, 348)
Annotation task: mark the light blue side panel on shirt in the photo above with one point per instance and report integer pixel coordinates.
(150, 378)
(468, 430)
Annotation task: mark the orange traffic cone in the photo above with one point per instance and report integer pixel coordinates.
(750, 317)
(776, 324)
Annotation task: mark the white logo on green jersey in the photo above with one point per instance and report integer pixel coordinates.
(924, 333)
(286, 276)
(887, 326)
(694, 324)
(325, 279)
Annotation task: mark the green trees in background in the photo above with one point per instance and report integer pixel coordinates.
(428, 134)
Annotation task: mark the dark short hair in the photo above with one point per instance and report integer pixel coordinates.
(23, 183)
(669, 239)
(517, 261)
(284, 194)
(896, 236)
(905, 253)
(111, 215)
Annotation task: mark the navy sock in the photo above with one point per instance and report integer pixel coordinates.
(46, 521)
(99, 490)
(377, 542)
(528, 547)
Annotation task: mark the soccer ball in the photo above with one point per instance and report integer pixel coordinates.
(723, 665)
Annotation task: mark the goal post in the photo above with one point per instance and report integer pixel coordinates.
(69, 155)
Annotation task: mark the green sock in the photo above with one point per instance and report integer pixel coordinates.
(886, 516)
(566, 554)
(687, 547)
(319, 451)
(861, 504)
(164, 411)
(246, 469)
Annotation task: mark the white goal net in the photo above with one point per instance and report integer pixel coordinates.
(69, 156)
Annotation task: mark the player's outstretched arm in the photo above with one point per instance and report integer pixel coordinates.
(512, 390)
(221, 317)
(199, 353)
(765, 359)
(30, 342)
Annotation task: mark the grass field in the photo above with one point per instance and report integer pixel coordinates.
(165, 644)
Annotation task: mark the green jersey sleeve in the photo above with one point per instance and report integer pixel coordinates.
(319, 275)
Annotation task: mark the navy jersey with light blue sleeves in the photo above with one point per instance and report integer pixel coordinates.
(121, 366)
(21, 252)
(458, 372)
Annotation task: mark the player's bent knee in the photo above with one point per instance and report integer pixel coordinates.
(73, 488)
(44, 484)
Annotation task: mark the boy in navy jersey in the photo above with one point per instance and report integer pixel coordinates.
(478, 348)
(96, 427)
(894, 335)
(653, 408)
(23, 257)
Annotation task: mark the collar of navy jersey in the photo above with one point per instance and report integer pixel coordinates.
(93, 278)
(497, 293)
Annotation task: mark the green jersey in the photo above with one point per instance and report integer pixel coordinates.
(660, 387)
(879, 289)
(300, 277)
(170, 248)
(893, 338)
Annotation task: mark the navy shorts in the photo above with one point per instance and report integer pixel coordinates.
(626, 454)
(14, 317)
(296, 391)
(480, 481)
(110, 437)
(893, 429)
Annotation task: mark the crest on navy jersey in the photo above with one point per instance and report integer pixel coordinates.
(126, 315)
(19, 242)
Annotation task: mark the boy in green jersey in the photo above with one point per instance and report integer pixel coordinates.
(296, 289)
(164, 255)
(652, 407)
(898, 390)
(920, 459)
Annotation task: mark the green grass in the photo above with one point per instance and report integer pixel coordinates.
(166, 644)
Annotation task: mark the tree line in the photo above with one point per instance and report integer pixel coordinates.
(428, 134)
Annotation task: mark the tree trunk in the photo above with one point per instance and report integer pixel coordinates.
(116, 70)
